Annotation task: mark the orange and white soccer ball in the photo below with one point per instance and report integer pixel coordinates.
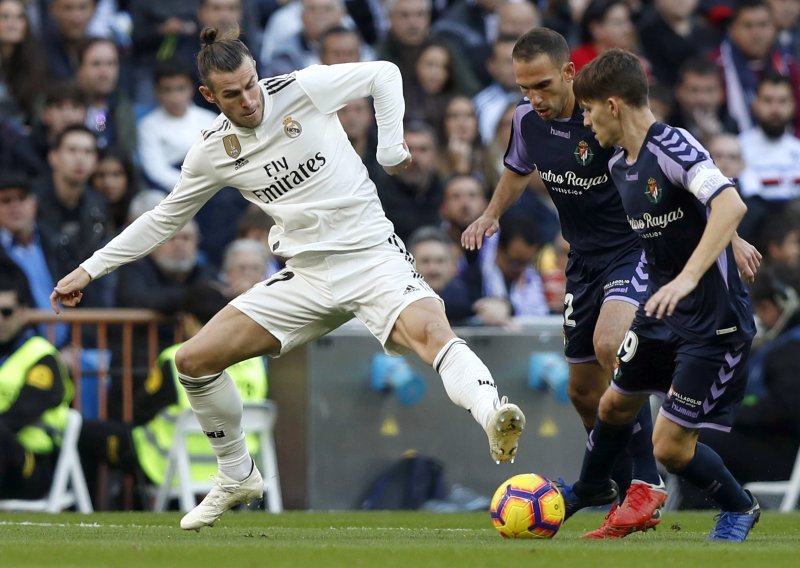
(527, 506)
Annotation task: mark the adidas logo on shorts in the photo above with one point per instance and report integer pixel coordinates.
(409, 289)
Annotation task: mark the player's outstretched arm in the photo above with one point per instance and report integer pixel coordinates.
(508, 190)
(727, 209)
(68, 291)
(748, 259)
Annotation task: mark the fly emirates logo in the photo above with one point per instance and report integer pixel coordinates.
(283, 178)
(655, 221)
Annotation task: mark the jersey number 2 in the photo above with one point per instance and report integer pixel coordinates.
(568, 309)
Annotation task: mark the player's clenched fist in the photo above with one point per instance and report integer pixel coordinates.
(482, 228)
(68, 290)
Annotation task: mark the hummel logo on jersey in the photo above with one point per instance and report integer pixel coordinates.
(240, 163)
(215, 434)
(410, 289)
(482, 382)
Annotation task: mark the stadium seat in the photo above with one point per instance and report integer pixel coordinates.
(259, 419)
(790, 489)
(69, 484)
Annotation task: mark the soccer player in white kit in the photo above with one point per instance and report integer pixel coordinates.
(279, 142)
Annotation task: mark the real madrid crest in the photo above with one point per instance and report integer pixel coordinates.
(583, 153)
(653, 192)
(232, 146)
(291, 127)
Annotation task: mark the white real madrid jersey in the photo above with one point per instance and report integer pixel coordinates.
(297, 165)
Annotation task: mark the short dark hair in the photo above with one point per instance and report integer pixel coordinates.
(595, 12)
(739, 6)
(337, 30)
(221, 50)
(774, 78)
(89, 43)
(71, 129)
(203, 300)
(514, 225)
(774, 229)
(615, 73)
(698, 66)
(541, 41)
(64, 91)
(15, 180)
(172, 67)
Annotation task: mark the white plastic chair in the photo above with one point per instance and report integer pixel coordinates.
(259, 419)
(69, 484)
(790, 489)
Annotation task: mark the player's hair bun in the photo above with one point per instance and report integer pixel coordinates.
(208, 36)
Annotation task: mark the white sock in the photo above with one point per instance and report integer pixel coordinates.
(218, 408)
(467, 380)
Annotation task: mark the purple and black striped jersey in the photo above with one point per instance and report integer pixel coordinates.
(666, 194)
(574, 168)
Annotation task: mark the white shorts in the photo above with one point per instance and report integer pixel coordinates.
(318, 292)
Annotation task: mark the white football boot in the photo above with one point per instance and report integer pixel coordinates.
(226, 494)
(504, 430)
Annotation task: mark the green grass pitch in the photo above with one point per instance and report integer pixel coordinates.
(382, 540)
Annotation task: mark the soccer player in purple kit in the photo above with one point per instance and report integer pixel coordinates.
(606, 278)
(691, 339)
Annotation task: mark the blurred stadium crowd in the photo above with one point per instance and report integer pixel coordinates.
(99, 105)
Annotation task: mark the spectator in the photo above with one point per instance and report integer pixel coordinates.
(700, 99)
(508, 267)
(515, 17)
(463, 200)
(302, 49)
(109, 114)
(726, 152)
(464, 25)
(769, 409)
(22, 243)
(503, 90)
(245, 264)
(411, 198)
(115, 179)
(409, 26)
(17, 150)
(671, 33)
(339, 45)
(36, 393)
(64, 34)
(166, 134)
(771, 154)
(159, 26)
(143, 450)
(64, 105)
(746, 55)
(462, 149)
(497, 146)
(605, 24)
(779, 240)
(358, 121)
(435, 259)
(786, 15)
(22, 65)
(71, 208)
(433, 83)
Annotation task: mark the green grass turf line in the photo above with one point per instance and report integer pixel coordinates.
(382, 540)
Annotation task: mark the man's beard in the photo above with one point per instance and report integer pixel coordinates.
(773, 130)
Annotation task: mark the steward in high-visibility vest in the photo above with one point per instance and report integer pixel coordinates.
(152, 441)
(35, 392)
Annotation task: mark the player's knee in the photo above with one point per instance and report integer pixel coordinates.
(615, 410)
(584, 399)
(605, 349)
(673, 456)
(190, 363)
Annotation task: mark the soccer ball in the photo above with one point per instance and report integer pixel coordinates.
(527, 506)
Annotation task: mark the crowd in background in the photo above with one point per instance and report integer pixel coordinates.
(99, 105)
